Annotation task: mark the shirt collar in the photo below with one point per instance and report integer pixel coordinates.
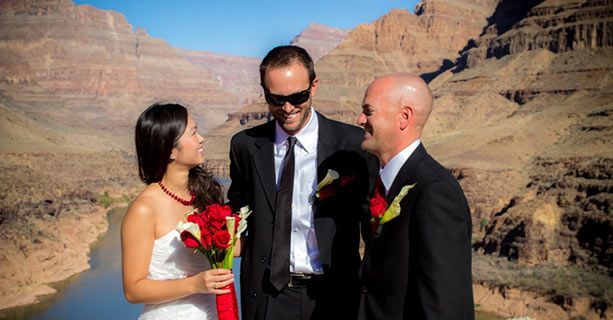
(389, 172)
(307, 137)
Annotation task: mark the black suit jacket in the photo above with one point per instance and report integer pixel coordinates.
(336, 219)
(419, 265)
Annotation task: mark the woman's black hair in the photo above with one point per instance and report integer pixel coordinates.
(158, 130)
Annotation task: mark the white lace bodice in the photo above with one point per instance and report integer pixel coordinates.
(170, 259)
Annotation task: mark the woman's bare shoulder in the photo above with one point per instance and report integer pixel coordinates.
(143, 206)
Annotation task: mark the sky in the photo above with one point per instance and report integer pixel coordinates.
(243, 27)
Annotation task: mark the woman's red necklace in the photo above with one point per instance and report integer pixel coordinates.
(176, 197)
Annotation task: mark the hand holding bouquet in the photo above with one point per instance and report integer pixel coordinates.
(214, 232)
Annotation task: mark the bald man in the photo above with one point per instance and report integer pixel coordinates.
(418, 264)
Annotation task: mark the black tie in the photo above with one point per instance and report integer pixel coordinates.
(279, 268)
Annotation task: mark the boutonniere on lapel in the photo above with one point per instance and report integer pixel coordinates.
(331, 184)
(380, 213)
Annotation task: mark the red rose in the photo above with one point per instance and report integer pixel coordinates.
(216, 225)
(378, 205)
(197, 219)
(189, 240)
(345, 180)
(222, 239)
(326, 192)
(204, 217)
(206, 238)
(219, 212)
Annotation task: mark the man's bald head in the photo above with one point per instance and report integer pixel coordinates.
(395, 110)
(408, 90)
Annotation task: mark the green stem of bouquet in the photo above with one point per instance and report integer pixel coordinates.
(209, 255)
(228, 260)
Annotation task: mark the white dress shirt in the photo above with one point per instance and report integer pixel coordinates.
(391, 169)
(304, 251)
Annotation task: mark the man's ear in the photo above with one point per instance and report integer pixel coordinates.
(407, 117)
(314, 86)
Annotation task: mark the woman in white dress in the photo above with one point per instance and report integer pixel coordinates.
(158, 270)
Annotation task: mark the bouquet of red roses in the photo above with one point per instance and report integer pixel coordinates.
(214, 232)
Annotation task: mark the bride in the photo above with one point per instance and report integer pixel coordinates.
(158, 270)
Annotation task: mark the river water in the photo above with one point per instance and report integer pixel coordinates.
(97, 293)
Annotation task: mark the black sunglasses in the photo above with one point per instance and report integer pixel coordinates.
(294, 99)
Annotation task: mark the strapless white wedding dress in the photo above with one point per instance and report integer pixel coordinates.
(172, 260)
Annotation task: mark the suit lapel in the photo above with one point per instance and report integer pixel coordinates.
(405, 175)
(326, 146)
(326, 142)
(265, 164)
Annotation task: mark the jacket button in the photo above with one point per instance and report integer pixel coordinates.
(263, 260)
(253, 294)
(364, 289)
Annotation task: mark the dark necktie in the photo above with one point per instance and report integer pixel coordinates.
(379, 188)
(279, 268)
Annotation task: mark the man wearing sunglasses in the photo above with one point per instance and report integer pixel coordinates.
(300, 253)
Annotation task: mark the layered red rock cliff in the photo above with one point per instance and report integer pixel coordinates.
(319, 39)
(237, 75)
(78, 63)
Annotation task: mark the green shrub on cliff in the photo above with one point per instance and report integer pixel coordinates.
(105, 200)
